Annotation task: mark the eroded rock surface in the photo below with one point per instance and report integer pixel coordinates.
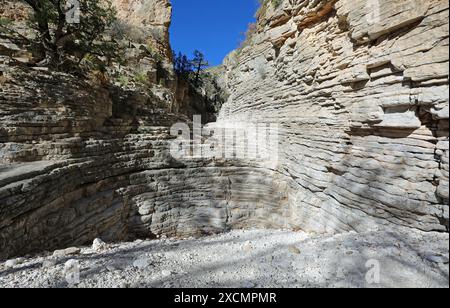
(360, 91)
(362, 104)
(148, 21)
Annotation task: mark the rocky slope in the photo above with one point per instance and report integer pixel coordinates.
(362, 110)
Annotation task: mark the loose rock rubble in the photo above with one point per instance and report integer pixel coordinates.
(247, 259)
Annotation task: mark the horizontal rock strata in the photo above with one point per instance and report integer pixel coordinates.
(361, 103)
(361, 95)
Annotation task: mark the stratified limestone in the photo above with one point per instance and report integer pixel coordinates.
(84, 164)
(362, 107)
(360, 89)
(148, 20)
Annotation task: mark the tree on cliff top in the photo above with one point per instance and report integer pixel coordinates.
(185, 68)
(70, 30)
(182, 65)
(199, 63)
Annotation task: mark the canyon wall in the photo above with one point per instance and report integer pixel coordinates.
(148, 21)
(361, 103)
(360, 91)
(80, 159)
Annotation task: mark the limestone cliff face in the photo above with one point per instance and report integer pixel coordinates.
(362, 103)
(79, 160)
(149, 19)
(14, 10)
(68, 146)
(360, 89)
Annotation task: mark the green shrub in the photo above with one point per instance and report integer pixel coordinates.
(140, 78)
(4, 24)
(277, 3)
(154, 53)
(124, 81)
(5, 21)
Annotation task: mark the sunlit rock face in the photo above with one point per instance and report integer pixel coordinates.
(361, 104)
(149, 19)
(79, 160)
(360, 89)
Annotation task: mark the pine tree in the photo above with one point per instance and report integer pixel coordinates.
(62, 40)
(199, 63)
(182, 66)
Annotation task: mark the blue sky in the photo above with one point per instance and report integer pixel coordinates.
(215, 27)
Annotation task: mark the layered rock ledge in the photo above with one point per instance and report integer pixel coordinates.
(362, 106)
(361, 97)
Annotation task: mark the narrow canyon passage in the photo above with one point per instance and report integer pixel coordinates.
(359, 96)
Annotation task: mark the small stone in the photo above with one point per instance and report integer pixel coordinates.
(294, 250)
(98, 245)
(248, 285)
(166, 273)
(13, 263)
(70, 264)
(66, 252)
(247, 246)
(340, 274)
(141, 263)
(48, 264)
(72, 272)
(437, 259)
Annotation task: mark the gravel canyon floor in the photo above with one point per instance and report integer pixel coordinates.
(254, 258)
